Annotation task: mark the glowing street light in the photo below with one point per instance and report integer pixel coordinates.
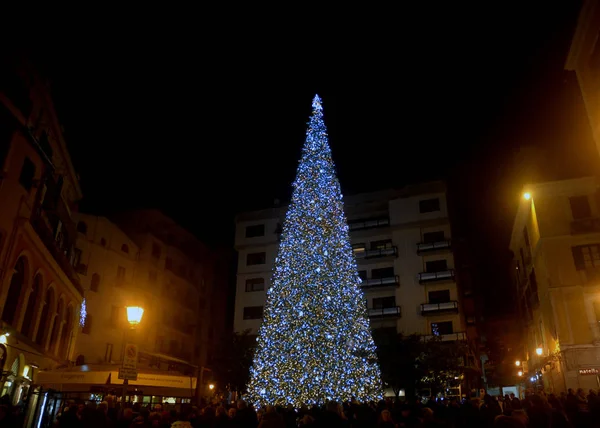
(517, 363)
(134, 315)
(527, 196)
(520, 373)
(539, 351)
(211, 387)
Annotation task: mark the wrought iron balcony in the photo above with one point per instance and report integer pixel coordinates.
(369, 224)
(392, 281)
(442, 275)
(425, 247)
(585, 225)
(393, 311)
(377, 253)
(448, 337)
(434, 308)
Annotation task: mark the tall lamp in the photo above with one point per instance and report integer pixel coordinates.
(134, 318)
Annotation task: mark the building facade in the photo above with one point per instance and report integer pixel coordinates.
(556, 246)
(584, 60)
(403, 246)
(40, 290)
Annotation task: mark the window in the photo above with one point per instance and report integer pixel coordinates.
(76, 257)
(27, 174)
(256, 259)
(580, 207)
(255, 284)
(87, 326)
(586, 256)
(82, 227)
(379, 273)
(152, 277)
(436, 265)
(430, 237)
(429, 205)
(359, 249)
(120, 275)
(253, 312)
(108, 353)
(439, 328)
(155, 250)
(114, 316)
(95, 284)
(381, 245)
(440, 296)
(362, 274)
(384, 302)
(125, 248)
(255, 231)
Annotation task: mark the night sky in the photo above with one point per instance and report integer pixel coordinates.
(203, 124)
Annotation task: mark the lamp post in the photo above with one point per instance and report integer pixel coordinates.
(134, 318)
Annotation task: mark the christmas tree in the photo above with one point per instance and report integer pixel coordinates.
(315, 343)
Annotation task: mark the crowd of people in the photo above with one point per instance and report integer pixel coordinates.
(574, 409)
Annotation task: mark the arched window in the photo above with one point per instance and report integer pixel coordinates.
(46, 317)
(32, 303)
(17, 283)
(125, 248)
(65, 337)
(95, 284)
(82, 227)
(56, 324)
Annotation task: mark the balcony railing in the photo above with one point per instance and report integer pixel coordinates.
(430, 308)
(369, 224)
(45, 233)
(393, 311)
(586, 225)
(442, 275)
(381, 282)
(424, 247)
(377, 253)
(448, 337)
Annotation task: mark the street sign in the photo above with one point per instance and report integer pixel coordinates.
(131, 356)
(128, 374)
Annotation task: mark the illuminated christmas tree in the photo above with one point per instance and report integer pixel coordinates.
(315, 343)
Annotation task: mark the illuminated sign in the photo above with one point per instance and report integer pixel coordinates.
(588, 371)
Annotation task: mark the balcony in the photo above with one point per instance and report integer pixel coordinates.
(377, 253)
(428, 247)
(436, 308)
(586, 225)
(392, 281)
(369, 224)
(393, 311)
(44, 231)
(448, 337)
(442, 275)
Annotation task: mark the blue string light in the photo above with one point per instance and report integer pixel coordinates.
(315, 342)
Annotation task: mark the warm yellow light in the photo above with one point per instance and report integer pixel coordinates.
(539, 351)
(211, 386)
(517, 363)
(134, 315)
(520, 373)
(527, 196)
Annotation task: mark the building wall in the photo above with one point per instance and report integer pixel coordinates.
(560, 317)
(40, 303)
(406, 226)
(584, 59)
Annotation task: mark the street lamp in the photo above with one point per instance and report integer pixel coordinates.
(520, 373)
(134, 318)
(527, 196)
(517, 363)
(211, 387)
(539, 351)
(134, 315)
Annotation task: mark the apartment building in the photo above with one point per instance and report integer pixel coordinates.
(584, 60)
(556, 246)
(40, 291)
(403, 246)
